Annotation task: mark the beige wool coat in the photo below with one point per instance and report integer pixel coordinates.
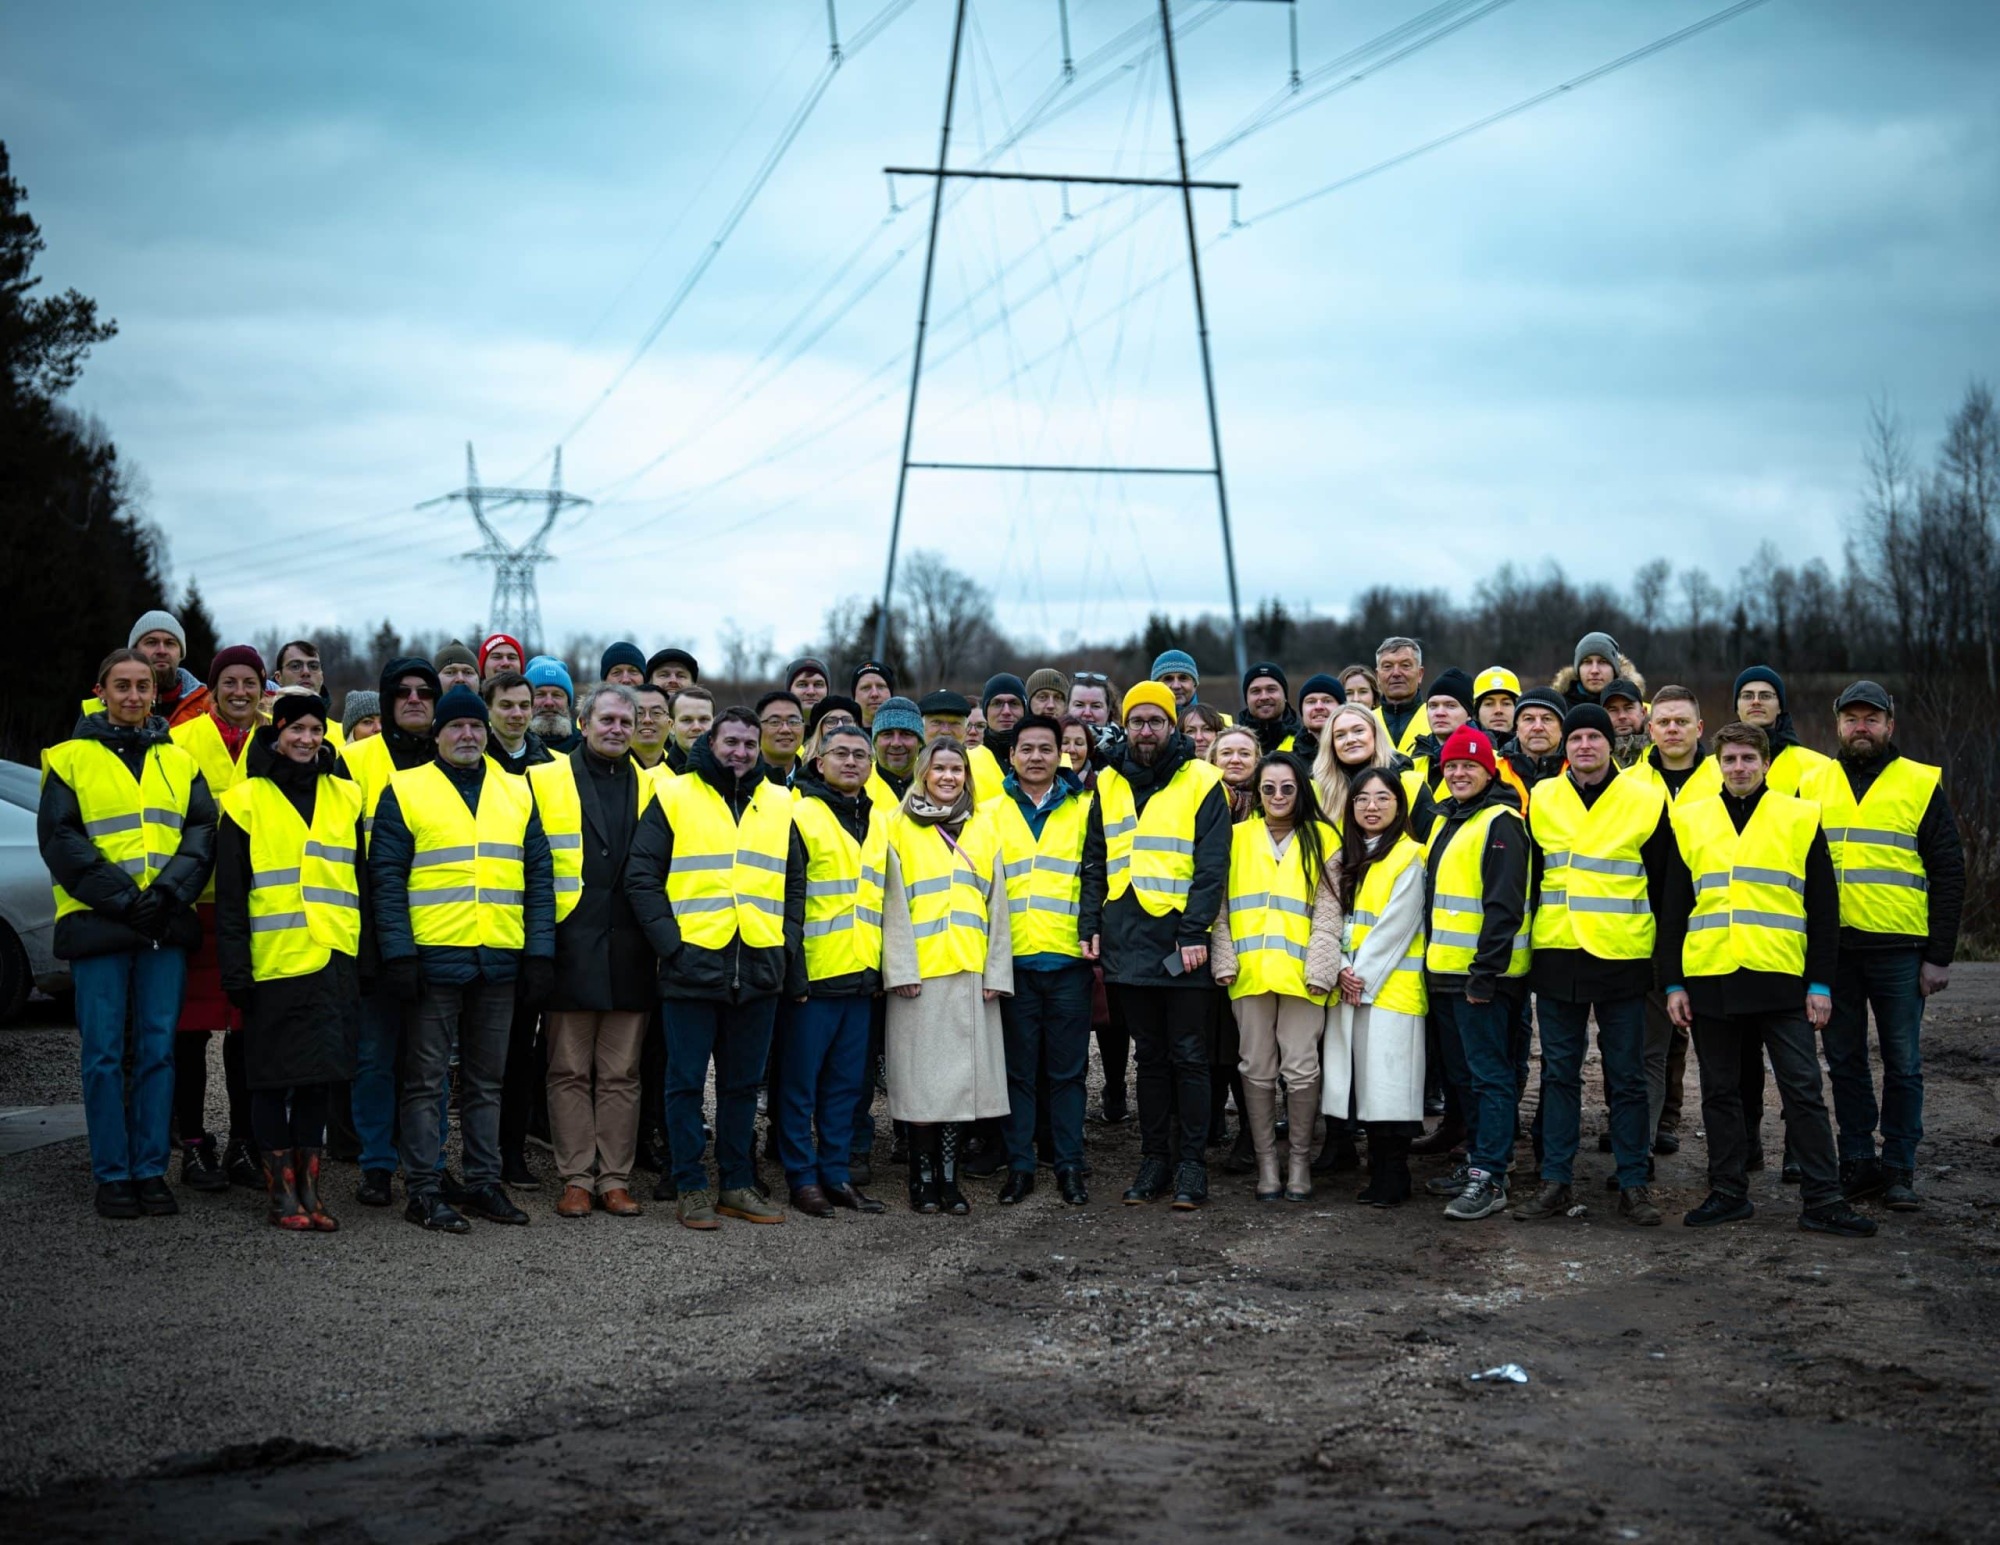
(944, 1052)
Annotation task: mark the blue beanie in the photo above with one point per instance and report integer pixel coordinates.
(547, 671)
(1174, 660)
(621, 653)
(1762, 673)
(898, 713)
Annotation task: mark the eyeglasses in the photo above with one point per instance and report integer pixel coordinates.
(1277, 790)
(787, 722)
(417, 694)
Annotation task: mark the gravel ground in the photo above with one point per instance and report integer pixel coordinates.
(1033, 1373)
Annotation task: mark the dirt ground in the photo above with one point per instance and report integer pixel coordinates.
(1035, 1373)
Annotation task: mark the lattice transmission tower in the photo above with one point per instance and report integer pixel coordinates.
(516, 608)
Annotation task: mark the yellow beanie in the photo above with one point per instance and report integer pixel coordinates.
(1150, 692)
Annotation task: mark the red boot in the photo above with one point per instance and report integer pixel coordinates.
(281, 1182)
(307, 1162)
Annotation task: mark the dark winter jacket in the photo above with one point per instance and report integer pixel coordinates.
(1505, 870)
(1943, 858)
(532, 754)
(1530, 768)
(1134, 943)
(390, 849)
(603, 962)
(1271, 733)
(75, 864)
(1752, 992)
(736, 972)
(1398, 715)
(302, 1029)
(852, 811)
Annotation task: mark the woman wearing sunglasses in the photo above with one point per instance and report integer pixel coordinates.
(1276, 947)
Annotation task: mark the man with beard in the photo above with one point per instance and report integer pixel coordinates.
(1319, 696)
(1626, 704)
(178, 694)
(1901, 868)
(1155, 861)
(555, 705)
(1267, 708)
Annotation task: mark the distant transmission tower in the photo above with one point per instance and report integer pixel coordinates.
(515, 609)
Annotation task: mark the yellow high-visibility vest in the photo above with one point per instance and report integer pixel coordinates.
(946, 887)
(371, 767)
(885, 799)
(1789, 768)
(728, 880)
(1151, 854)
(843, 891)
(987, 773)
(135, 822)
(1044, 875)
(1404, 992)
(305, 891)
(203, 741)
(468, 875)
(1593, 880)
(1458, 904)
(1749, 888)
(1706, 779)
(1883, 886)
(1270, 911)
(1415, 730)
(561, 808)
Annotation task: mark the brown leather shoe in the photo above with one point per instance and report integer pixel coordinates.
(574, 1203)
(619, 1203)
(811, 1201)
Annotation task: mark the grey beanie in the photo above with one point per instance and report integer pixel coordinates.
(359, 706)
(898, 713)
(1595, 643)
(157, 622)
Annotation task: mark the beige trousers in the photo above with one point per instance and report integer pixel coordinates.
(600, 1133)
(1276, 1033)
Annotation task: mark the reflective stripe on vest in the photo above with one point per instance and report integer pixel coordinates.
(135, 822)
(727, 880)
(305, 891)
(561, 809)
(1593, 895)
(946, 890)
(200, 739)
(1883, 886)
(1044, 876)
(1457, 907)
(1151, 854)
(843, 890)
(1404, 992)
(1749, 889)
(467, 879)
(1270, 911)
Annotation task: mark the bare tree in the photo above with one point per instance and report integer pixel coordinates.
(1649, 596)
(746, 656)
(1701, 601)
(947, 614)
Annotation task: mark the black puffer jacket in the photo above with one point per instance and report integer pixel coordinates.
(735, 973)
(1134, 943)
(75, 864)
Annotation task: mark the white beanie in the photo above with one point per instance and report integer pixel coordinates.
(157, 622)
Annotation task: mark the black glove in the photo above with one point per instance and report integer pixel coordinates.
(241, 998)
(149, 915)
(538, 980)
(403, 979)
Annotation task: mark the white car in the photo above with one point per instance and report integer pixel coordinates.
(27, 902)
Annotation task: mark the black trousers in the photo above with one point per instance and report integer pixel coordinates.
(1114, 1051)
(1169, 1029)
(524, 1087)
(191, 1084)
(1723, 1044)
(653, 1075)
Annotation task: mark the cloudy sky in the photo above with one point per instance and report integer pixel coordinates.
(1647, 317)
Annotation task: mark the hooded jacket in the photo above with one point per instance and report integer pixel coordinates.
(1571, 687)
(1504, 873)
(736, 973)
(1134, 944)
(75, 864)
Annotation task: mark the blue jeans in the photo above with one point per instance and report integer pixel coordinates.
(1621, 1038)
(737, 1036)
(1885, 981)
(128, 1135)
(823, 1071)
(372, 1095)
(1478, 1058)
(1047, 1021)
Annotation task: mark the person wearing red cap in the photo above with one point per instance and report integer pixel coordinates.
(499, 653)
(1477, 872)
(219, 741)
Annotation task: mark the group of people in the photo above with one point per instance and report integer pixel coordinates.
(1341, 912)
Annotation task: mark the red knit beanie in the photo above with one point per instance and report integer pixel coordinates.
(235, 654)
(1468, 744)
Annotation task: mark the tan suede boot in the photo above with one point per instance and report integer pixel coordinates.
(1262, 1120)
(1303, 1102)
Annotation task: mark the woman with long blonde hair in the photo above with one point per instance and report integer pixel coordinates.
(1353, 741)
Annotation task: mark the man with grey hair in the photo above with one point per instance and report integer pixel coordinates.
(590, 802)
(1399, 666)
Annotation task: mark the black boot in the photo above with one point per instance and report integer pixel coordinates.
(949, 1195)
(199, 1169)
(923, 1171)
(1338, 1152)
(240, 1164)
(1448, 1135)
(1388, 1167)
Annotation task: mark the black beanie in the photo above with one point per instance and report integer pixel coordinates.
(1541, 697)
(620, 653)
(290, 706)
(673, 656)
(1762, 673)
(872, 668)
(459, 703)
(1453, 682)
(833, 702)
(1004, 685)
(1587, 716)
(1266, 668)
(1321, 682)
